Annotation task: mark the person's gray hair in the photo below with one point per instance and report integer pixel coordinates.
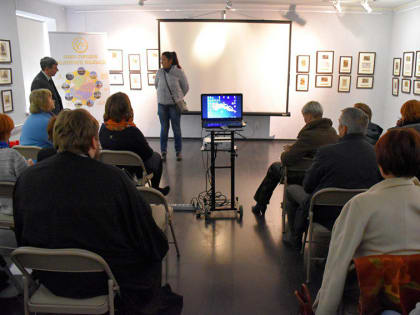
(354, 119)
(47, 62)
(313, 108)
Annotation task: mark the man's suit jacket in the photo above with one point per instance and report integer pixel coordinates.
(41, 82)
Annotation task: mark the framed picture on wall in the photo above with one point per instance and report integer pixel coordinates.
(116, 79)
(416, 87)
(135, 81)
(323, 81)
(5, 51)
(152, 59)
(6, 76)
(115, 60)
(366, 63)
(396, 67)
(7, 101)
(345, 64)
(303, 63)
(417, 69)
(408, 61)
(302, 82)
(134, 62)
(406, 86)
(364, 82)
(395, 86)
(344, 83)
(324, 61)
(151, 76)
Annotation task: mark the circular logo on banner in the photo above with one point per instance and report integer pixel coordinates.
(80, 45)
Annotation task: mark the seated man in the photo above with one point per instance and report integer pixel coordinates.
(317, 132)
(349, 164)
(71, 200)
(373, 131)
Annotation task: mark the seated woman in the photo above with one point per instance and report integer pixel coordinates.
(363, 227)
(410, 115)
(34, 130)
(47, 152)
(118, 132)
(12, 164)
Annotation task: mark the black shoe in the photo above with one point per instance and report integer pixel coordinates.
(164, 191)
(163, 156)
(178, 156)
(292, 241)
(259, 210)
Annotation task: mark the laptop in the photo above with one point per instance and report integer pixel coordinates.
(221, 110)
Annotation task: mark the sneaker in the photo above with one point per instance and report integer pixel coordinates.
(164, 156)
(259, 210)
(165, 190)
(178, 156)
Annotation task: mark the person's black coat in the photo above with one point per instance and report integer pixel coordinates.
(373, 133)
(41, 82)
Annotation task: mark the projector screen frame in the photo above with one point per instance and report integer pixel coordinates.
(284, 114)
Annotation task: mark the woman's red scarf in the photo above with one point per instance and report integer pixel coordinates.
(118, 126)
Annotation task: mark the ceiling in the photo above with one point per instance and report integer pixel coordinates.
(379, 4)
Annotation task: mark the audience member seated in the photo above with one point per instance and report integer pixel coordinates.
(91, 205)
(317, 132)
(34, 130)
(351, 163)
(410, 115)
(383, 220)
(12, 164)
(47, 152)
(373, 131)
(118, 132)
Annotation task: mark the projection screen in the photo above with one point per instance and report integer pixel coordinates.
(233, 56)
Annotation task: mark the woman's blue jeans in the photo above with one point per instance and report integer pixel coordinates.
(169, 113)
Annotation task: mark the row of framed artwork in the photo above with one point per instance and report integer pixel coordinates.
(408, 65)
(325, 63)
(325, 81)
(115, 60)
(134, 78)
(405, 86)
(6, 75)
(7, 101)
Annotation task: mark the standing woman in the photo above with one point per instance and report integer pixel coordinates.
(172, 85)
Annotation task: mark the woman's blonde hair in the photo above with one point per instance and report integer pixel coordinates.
(39, 101)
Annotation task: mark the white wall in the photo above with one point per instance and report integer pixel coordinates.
(405, 37)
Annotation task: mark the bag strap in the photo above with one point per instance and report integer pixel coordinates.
(170, 92)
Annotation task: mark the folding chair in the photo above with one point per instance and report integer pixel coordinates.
(324, 197)
(161, 211)
(63, 260)
(28, 151)
(126, 158)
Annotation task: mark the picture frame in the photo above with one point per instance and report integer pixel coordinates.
(364, 82)
(134, 62)
(302, 82)
(408, 62)
(152, 59)
(366, 65)
(151, 76)
(344, 83)
(115, 60)
(6, 76)
(323, 81)
(7, 101)
(395, 86)
(5, 51)
(324, 61)
(346, 63)
(396, 67)
(303, 63)
(116, 78)
(135, 81)
(416, 87)
(406, 86)
(417, 69)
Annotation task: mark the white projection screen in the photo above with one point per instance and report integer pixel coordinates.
(233, 56)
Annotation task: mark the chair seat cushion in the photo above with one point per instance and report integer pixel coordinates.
(6, 221)
(318, 228)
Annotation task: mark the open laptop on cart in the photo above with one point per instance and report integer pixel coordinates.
(221, 110)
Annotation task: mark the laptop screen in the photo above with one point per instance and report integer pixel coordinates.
(221, 107)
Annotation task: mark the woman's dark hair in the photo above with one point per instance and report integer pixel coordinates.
(118, 107)
(398, 152)
(171, 55)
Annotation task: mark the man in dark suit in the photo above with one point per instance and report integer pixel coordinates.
(350, 164)
(43, 80)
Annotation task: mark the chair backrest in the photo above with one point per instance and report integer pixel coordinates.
(121, 158)
(28, 151)
(333, 196)
(6, 189)
(153, 196)
(296, 173)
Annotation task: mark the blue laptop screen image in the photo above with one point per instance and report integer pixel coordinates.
(221, 107)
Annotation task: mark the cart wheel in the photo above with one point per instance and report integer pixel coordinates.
(241, 212)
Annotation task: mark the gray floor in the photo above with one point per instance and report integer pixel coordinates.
(226, 266)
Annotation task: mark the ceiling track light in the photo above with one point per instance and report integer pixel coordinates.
(366, 6)
(337, 6)
(228, 5)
